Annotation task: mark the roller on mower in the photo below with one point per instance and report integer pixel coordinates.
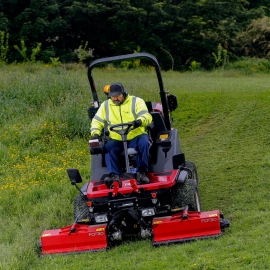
(167, 210)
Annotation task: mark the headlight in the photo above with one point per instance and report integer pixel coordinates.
(147, 212)
(101, 218)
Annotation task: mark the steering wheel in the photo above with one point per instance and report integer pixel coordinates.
(126, 127)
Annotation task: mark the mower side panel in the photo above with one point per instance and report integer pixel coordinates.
(84, 238)
(98, 169)
(186, 227)
(164, 160)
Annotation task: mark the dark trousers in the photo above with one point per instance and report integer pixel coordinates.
(114, 148)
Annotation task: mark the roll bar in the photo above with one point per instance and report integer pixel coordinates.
(154, 61)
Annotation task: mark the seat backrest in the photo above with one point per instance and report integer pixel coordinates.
(159, 124)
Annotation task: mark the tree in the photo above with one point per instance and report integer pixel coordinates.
(260, 4)
(190, 30)
(35, 22)
(3, 22)
(255, 41)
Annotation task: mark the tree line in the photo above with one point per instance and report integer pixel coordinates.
(187, 32)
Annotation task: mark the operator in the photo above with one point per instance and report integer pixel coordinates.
(122, 108)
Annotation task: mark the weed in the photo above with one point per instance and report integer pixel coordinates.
(221, 58)
(83, 53)
(55, 61)
(194, 66)
(23, 51)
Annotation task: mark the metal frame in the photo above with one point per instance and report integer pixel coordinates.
(162, 93)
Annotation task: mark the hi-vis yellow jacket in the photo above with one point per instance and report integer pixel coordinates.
(133, 108)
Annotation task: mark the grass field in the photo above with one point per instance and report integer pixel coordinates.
(223, 122)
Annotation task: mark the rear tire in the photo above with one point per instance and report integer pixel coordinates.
(186, 194)
(81, 211)
(193, 174)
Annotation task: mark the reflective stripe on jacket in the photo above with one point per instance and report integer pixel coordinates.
(133, 108)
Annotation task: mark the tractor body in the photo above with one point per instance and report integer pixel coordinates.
(167, 210)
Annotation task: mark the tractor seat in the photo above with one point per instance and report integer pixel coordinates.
(130, 151)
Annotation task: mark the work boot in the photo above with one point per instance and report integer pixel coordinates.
(142, 178)
(112, 178)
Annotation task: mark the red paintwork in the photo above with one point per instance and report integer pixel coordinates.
(85, 238)
(176, 229)
(133, 184)
(157, 107)
(157, 181)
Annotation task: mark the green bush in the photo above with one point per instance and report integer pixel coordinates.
(23, 51)
(46, 54)
(195, 66)
(250, 65)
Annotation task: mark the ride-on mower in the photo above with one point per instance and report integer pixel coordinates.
(167, 209)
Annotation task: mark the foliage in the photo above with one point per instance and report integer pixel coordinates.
(248, 66)
(3, 46)
(170, 57)
(23, 50)
(34, 53)
(55, 61)
(83, 53)
(220, 57)
(194, 66)
(262, 4)
(132, 64)
(255, 41)
(189, 30)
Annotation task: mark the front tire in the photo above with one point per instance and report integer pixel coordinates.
(81, 211)
(192, 174)
(186, 194)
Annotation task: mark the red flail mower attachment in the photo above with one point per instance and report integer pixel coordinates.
(180, 227)
(187, 226)
(74, 238)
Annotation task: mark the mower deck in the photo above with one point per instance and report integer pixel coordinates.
(186, 226)
(180, 227)
(74, 238)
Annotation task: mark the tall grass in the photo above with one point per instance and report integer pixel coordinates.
(249, 66)
(223, 122)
